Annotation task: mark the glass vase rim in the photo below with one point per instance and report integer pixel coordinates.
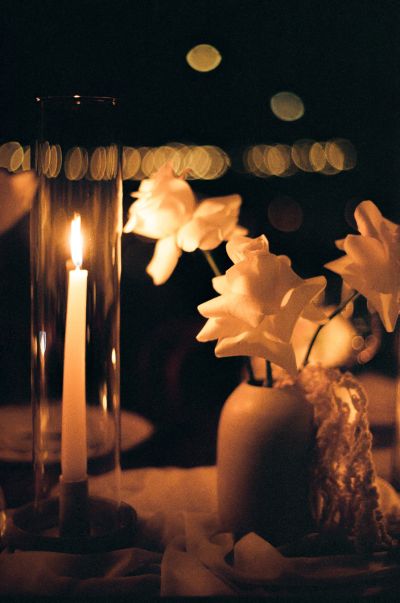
(77, 99)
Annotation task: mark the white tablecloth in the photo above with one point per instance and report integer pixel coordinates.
(179, 540)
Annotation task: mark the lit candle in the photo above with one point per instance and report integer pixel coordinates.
(73, 434)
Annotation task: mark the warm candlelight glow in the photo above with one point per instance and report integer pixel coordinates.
(73, 433)
(76, 241)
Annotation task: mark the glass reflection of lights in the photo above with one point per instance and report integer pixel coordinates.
(76, 162)
(97, 165)
(11, 156)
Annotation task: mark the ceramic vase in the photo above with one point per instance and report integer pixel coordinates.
(264, 452)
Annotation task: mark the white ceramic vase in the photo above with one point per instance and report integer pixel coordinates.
(265, 441)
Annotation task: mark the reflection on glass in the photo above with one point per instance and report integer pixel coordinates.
(11, 156)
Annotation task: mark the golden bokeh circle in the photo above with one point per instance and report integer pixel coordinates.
(317, 156)
(203, 58)
(11, 155)
(131, 161)
(301, 154)
(287, 106)
(341, 154)
(98, 163)
(76, 163)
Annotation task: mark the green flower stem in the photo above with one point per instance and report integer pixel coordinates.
(211, 263)
(339, 309)
(269, 381)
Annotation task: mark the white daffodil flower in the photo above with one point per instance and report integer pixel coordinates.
(261, 298)
(371, 265)
(166, 210)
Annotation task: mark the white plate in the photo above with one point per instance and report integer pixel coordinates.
(16, 432)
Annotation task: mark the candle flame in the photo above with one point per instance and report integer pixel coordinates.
(76, 241)
(42, 342)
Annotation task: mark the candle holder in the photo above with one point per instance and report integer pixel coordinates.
(76, 225)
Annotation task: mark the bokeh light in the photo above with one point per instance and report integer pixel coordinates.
(111, 162)
(11, 156)
(220, 162)
(285, 214)
(131, 161)
(98, 162)
(203, 58)
(148, 163)
(76, 163)
(259, 153)
(287, 106)
(317, 157)
(162, 155)
(278, 160)
(44, 157)
(206, 162)
(301, 154)
(55, 161)
(26, 164)
(341, 154)
(199, 162)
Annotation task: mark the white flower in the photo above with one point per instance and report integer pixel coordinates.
(260, 301)
(164, 204)
(166, 210)
(372, 262)
(213, 221)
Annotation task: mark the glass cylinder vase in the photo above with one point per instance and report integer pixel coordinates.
(76, 225)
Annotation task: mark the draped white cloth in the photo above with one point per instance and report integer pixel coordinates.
(179, 550)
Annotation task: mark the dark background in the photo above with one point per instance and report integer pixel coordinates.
(341, 58)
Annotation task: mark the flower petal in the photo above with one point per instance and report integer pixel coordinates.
(215, 205)
(370, 257)
(283, 323)
(371, 265)
(165, 203)
(368, 219)
(219, 284)
(190, 235)
(213, 221)
(387, 308)
(217, 328)
(165, 258)
(238, 248)
(256, 344)
(240, 307)
(265, 278)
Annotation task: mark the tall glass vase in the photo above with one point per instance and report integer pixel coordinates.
(76, 225)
